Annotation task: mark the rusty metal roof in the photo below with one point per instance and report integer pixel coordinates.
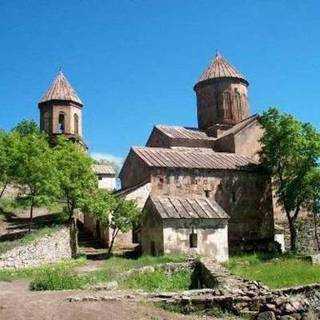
(188, 208)
(193, 159)
(220, 68)
(61, 89)
(103, 169)
(241, 125)
(177, 132)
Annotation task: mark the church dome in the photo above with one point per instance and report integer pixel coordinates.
(220, 68)
(61, 90)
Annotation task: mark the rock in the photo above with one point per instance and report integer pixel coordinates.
(288, 308)
(297, 305)
(296, 316)
(146, 269)
(270, 307)
(112, 285)
(286, 317)
(267, 315)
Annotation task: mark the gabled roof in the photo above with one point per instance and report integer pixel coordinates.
(187, 208)
(221, 68)
(103, 169)
(177, 132)
(193, 159)
(241, 125)
(61, 89)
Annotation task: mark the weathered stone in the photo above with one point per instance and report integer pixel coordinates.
(47, 249)
(112, 285)
(266, 315)
(146, 269)
(286, 317)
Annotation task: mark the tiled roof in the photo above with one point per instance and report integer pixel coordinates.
(241, 125)
(188, 208)
(177, 132)
(193, 159)
(220, 68)
(61, 89)
(103, 169)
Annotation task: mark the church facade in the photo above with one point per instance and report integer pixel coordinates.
(202, 189)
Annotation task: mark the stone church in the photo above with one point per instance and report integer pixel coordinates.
(201, 189)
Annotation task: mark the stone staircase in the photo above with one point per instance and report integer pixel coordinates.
(90, 247)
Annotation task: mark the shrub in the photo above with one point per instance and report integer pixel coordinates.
(159, 281)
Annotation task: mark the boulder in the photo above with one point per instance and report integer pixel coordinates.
(266, 315)
(112, 285)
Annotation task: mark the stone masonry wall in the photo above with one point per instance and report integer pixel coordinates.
(245, 196)
(47, 249)
(306, 235)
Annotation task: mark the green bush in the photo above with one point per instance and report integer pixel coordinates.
(275, 272)
(158, 281)
(58, 280)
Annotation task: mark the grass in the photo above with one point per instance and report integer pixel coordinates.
(62, 268)
(118, 264)
(275, 272)
(158, 281)
(62, 276)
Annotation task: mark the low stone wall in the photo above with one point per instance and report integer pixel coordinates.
(47, 249)
(306, 243)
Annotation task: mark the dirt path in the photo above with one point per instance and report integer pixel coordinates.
(18, 303)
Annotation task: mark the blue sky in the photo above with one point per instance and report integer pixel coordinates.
(134, 63)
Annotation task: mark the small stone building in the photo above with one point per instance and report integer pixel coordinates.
(106, 176)
(179, 224)
(216, 162)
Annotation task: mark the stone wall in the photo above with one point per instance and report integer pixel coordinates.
(245, 196)
(306, 235)
(212, 237)
(213, 107)
(134, 171)
(47, 249)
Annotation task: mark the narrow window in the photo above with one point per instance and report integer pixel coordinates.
(61, 125)
(153, 248)
(193, 239)
(234, 197)
(207, 193)
(76, 123)
(238, 104)
(227, 105)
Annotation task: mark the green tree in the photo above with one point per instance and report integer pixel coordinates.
(26, 127)
(312, 186)
(290, 151)
(118, 214)
(5, 162)
(35, 169)
(125, 216)
(77, 180)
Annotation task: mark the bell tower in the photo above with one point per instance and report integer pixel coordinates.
(222, 97)
(61, 110)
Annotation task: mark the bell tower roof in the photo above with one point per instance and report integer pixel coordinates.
(220, 68)
(61, 89)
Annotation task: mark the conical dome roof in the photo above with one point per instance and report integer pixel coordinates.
(221, 68)
(61, 89)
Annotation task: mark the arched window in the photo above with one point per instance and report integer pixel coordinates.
(238, 104)
(61, 124)
(45, 121)
(227, 105)
(76, 123)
